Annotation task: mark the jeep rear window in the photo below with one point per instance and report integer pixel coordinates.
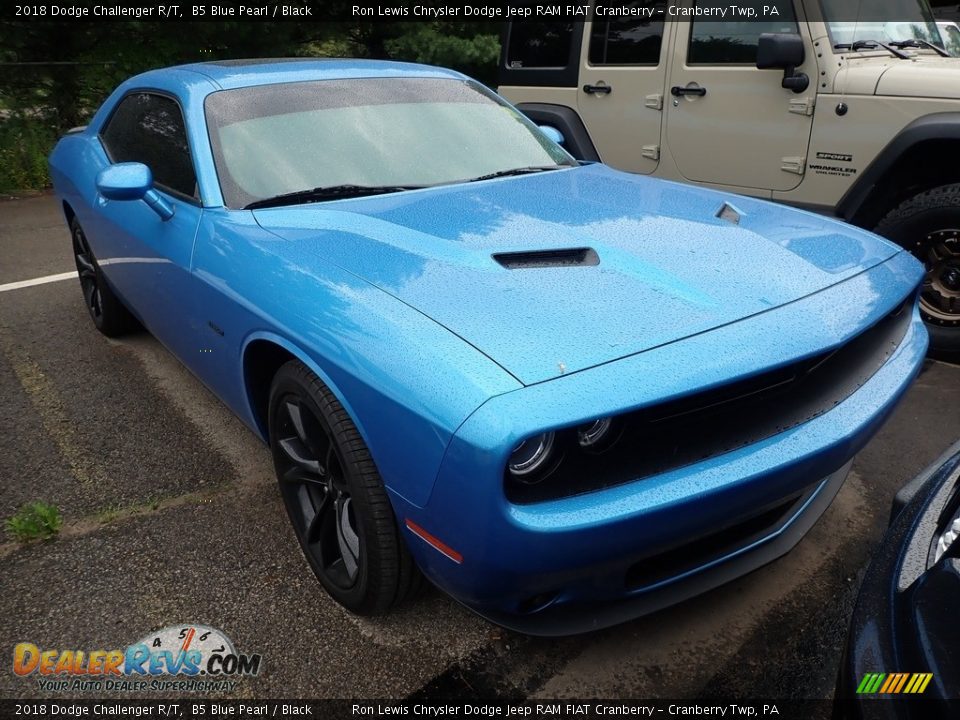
(626, 42)
(539, 44)
(735, 43)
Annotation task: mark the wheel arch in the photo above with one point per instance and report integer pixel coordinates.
(911, 163)
(263, 354)
(68, 212)
(406, 382)
(567, 120)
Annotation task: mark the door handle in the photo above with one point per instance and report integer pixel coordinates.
(677, 91)
(597, 89)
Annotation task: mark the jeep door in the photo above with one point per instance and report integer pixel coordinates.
(729, 123)
(620, 99)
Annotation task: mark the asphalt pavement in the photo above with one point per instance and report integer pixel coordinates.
(172, 516)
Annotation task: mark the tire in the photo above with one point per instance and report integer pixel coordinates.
(106, 310)
(928, 225)
(335, 498)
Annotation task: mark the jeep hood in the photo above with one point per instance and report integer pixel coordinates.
(923, 76)
(623, 263)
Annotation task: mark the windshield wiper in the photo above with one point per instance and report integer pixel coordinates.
(332, 192)
(918, 43)
(515, 171)
(871, 45)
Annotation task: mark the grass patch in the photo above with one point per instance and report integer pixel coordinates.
(35, 521)
(108, 514)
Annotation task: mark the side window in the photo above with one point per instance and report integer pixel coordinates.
(626, 42)
(149, 128)
(951, 37)
(732, 42)
(539, 44)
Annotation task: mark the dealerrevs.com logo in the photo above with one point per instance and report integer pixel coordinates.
(177, 658)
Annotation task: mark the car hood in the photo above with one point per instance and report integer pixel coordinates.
(658, 263)
(923, 76)
(931, 77)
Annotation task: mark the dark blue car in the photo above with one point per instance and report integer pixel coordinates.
(565, 394)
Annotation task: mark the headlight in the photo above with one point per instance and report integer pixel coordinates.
(531, 455)
(593, 433)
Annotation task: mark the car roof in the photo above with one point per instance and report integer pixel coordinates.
(267, 71)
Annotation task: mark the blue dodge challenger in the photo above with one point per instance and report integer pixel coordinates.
(567, 395)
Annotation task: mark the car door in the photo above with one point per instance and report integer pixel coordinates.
(148, 259)
(622, 75)
(729, 123)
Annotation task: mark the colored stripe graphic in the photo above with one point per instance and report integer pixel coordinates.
(902, 682)
(870, 683)
(894, 683)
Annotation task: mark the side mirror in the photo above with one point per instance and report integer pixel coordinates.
(783, 51)
(132, 181)
(551, 132)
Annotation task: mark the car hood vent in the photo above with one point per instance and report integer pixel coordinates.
(565, 257)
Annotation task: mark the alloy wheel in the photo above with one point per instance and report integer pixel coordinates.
(316, 492)
(89, 277)
(940, 294)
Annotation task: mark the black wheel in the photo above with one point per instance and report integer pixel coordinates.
(105, 308)
(928, 225)
(335, 497)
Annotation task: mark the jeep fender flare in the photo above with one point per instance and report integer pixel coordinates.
(565, 119)
(933, 127)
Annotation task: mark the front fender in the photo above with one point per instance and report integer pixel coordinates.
(936, 126)
(407, 382)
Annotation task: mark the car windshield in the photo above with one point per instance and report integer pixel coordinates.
(880, 20)
(377, 133)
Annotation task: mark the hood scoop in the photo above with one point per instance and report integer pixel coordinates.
(564, 257)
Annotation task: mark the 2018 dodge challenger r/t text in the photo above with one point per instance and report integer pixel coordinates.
(566, 394)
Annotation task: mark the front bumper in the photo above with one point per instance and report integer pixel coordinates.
(596, 559)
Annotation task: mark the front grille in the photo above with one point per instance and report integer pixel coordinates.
(701, 426)
(713, 546)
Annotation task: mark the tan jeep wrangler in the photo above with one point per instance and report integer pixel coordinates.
(856, 118)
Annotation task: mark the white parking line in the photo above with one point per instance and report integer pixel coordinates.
(38, 281)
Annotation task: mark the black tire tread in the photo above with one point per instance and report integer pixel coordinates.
(396, 578)
(934, 199)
